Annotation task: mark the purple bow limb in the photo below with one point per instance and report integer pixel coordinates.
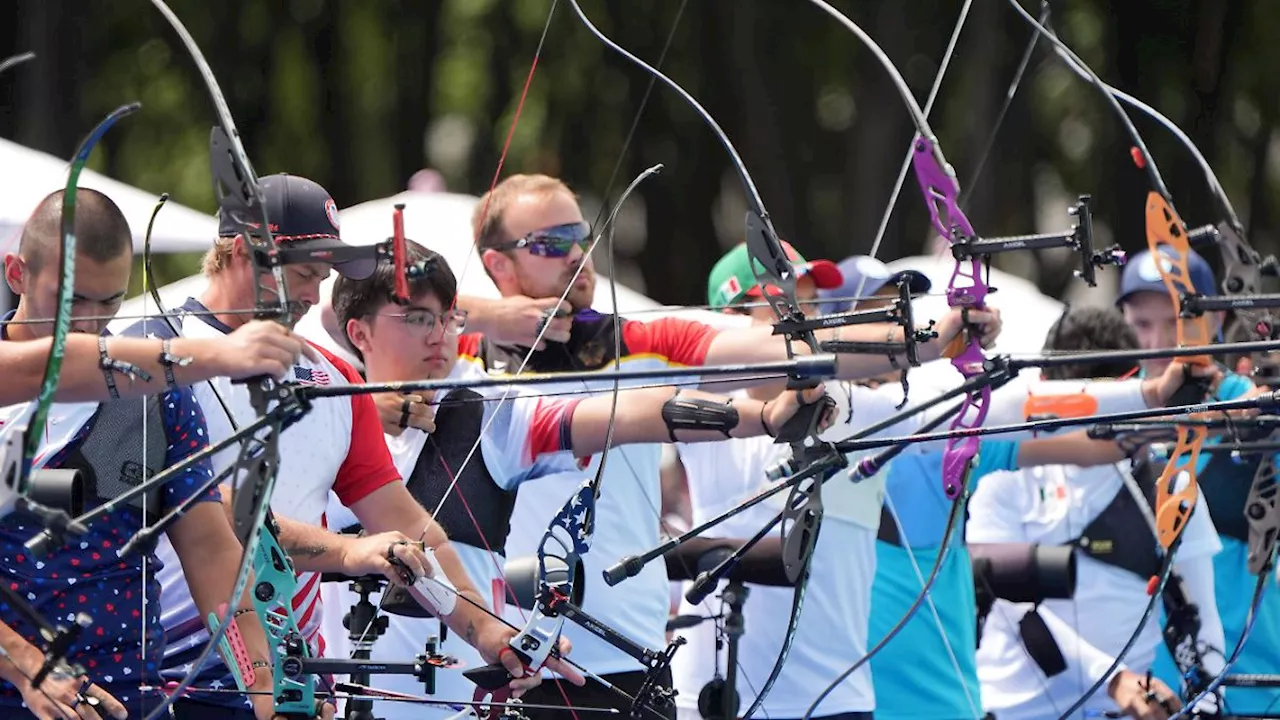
(966, 289)
(941, 191)
(960, 451)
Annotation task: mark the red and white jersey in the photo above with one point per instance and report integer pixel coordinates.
(337, 446)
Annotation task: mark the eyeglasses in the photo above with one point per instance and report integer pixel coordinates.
(425, 322)
(553, 242)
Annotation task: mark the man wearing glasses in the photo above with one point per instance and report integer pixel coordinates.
(532, 238)
(337, 446)
(520, 436)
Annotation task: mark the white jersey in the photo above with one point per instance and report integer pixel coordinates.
(337, 445)
(832, 631)
(506, 450)
(627, 512)
(1052, 505)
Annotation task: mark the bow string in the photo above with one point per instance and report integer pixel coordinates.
(1164, 227)
(240, 197)
(771, 266)
(1243, 268)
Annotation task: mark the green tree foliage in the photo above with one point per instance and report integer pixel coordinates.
(359, 95)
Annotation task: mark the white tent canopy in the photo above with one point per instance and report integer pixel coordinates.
(30, 175)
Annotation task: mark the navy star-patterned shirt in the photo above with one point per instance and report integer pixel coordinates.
(123, 647)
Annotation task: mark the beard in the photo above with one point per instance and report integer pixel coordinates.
(581, 296)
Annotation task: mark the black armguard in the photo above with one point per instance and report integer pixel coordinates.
(698, 414)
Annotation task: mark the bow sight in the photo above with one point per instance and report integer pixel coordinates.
(1079, 239)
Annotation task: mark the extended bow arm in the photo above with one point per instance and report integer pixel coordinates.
(1243, 268)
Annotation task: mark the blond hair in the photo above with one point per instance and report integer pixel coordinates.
(486, 220)
(218, 258)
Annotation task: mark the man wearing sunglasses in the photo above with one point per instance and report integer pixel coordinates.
(532, 238)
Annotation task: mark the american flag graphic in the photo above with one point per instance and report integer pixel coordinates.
(308, 376)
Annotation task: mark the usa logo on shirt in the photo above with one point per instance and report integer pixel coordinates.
(308, 376)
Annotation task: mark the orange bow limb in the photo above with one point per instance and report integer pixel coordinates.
(1164, 227)
(1173, 509)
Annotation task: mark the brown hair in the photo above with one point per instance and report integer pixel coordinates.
(486, 220)
(361, 299)
(218, 257)
(102, 232)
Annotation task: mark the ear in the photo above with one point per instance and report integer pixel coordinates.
(240, 248)
(359, 334)
(15, 273)
(500, 266)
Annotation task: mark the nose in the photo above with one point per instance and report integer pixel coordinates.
(87, 324)
(435, 338)
(576, 254)
(310, 294)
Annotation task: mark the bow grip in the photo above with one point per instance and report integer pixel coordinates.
(494, 675)
(806, 420)
(1193, 391)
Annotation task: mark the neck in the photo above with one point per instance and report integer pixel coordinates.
(221, 298)
(374, 373)
(18, 328)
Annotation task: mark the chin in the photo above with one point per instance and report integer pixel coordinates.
(582, 299)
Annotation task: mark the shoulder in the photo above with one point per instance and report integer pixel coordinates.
(342, 367)
(677, 340)
(164, 327)
(1233, 386)
(469, 345)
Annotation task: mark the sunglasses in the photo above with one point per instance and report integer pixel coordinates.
(553, 242)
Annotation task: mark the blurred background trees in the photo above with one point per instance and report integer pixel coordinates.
(361, 94)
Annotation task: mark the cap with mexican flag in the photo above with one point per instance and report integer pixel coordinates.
(732, 277)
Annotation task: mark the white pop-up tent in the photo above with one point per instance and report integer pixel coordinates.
(30, 175)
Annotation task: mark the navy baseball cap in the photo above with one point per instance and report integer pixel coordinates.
(1142, 275)
(864, 276)
(302, 214)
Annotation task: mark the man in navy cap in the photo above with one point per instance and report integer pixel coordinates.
(1224, 480)
(1149, 309)
(337, 447)
(866, 277)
